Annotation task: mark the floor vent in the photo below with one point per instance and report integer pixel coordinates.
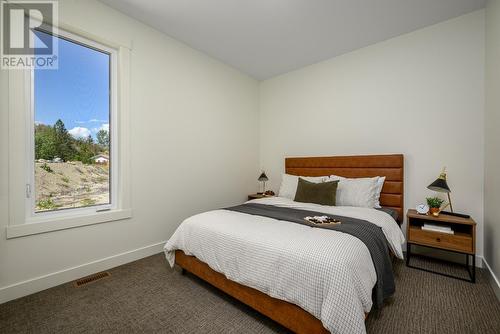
(92, 278)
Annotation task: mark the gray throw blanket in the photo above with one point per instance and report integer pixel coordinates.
(370, 234)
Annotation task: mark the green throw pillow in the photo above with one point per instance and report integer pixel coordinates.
(319, 193)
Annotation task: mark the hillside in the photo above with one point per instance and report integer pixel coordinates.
(70, 184)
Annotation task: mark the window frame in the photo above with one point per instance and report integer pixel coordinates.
(20, 224)
(31, 214)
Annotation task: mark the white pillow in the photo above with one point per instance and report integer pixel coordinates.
(380, 185)
(360, 192)
(289, 183)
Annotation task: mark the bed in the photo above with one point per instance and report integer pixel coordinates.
(308, 280)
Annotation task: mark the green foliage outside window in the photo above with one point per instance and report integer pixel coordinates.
(56, 142)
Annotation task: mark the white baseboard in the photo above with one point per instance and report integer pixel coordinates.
(479, 261)
(40, 283)
(495, 282)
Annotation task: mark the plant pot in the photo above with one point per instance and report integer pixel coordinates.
(434, 211)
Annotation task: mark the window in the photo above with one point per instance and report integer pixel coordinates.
(73, 123)
(73, 164)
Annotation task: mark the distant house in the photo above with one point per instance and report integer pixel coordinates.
(101, 159)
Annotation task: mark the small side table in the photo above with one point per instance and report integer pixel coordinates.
(462, 241)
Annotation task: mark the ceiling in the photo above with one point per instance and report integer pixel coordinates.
(265, 38)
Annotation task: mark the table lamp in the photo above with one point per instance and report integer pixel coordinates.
(440, 185)
(263, 178)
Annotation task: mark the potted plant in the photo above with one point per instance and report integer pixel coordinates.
(434, 205)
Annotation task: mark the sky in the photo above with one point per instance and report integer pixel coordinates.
(77, 92)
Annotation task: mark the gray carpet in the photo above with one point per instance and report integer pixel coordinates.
(148, 297)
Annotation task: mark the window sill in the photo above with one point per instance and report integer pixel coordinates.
(63, 223)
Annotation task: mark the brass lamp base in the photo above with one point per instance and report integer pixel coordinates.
(453, 213)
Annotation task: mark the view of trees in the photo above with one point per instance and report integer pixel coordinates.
(56, 141)
(103, 138)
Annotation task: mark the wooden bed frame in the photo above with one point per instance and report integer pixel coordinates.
(289, 315)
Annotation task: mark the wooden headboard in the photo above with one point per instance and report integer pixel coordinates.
(391, 166)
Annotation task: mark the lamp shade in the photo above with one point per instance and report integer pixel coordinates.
(263, 177)
(440, 184)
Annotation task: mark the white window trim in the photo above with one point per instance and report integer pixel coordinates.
(63, 223)
(22, 221)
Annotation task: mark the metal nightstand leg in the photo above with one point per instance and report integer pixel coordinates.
(473, 268)
(471, 272)
(408, 253)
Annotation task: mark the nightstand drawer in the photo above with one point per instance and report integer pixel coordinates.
(458, 242)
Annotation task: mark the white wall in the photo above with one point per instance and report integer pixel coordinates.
(420, 94)
(492, 139)
(194, 120)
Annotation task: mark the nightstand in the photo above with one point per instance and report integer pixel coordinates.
(257, 196)
(462, 241)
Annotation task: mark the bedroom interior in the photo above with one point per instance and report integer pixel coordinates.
(257, 168)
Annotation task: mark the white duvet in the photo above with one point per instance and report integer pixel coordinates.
(328, 273)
